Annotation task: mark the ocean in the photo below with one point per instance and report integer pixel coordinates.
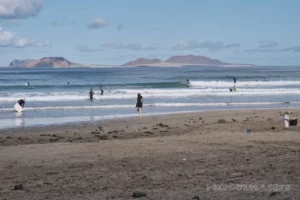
(50, 100)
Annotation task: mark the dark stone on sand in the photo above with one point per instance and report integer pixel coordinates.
(18, 187)
(272, 127)
(162, 125)
(54, 140)
(102, 137)
(196, 197)
(8, 137)
(138, 194)
(274, 194)
(200, 118)
(148, 132)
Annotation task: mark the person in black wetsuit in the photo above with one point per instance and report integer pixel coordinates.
(101, 90)
(234, 80)
(230, 89)
(139, 104)
(21, 102)
(91, 94)
(187, 81)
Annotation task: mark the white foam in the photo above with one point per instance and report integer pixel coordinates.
(222, 84)
(148, 105)
(146, 93)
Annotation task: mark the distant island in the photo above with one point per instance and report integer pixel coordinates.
(50, 62)
(174, 61)
(180, 61)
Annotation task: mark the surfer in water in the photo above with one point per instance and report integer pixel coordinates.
(91, 94)
(187, 81)
(234, 80)
(101, 90)
(139, 104)
(21, 102)
(27, 84)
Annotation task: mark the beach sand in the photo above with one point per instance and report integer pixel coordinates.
(178, 157)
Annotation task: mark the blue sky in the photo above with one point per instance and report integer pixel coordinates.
(262, 32)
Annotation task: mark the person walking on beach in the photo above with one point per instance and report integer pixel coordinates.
(139, 104)
(101, 90)
(91, 94)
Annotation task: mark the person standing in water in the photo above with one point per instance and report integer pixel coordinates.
(234, 80)
(91, 94)
(139, 104)
(21, 102)
(230, 89)
(101, 90)
(187, 81)
(234, 88)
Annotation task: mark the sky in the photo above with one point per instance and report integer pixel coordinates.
(112, 32)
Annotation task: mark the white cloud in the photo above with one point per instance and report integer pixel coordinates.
(267, 44)
(10, 39)
(98, 23)
(133, 46)
(86, 49)
(212, 46)
(16, 9)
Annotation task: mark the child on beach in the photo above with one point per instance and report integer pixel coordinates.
(139, 104)
(286, 120)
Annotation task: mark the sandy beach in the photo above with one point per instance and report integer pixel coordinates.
(208, 155)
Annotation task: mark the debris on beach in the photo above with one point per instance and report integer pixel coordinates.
(138, 194)
(18, 187)
(222, 121)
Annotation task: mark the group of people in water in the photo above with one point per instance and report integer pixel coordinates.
(139, 102)
(233, 89)
(91, 93)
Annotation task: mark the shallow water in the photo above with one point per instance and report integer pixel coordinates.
(50, 100)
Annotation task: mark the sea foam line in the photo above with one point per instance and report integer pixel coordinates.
(149, 105)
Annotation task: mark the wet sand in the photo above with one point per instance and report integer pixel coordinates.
(205, 154)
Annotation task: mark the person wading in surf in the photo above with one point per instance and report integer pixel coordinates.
(21, 102)
(139, 104)
(91, 94)
(101, 90)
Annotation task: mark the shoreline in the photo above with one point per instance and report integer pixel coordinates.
(133, 126)
(130, 116)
